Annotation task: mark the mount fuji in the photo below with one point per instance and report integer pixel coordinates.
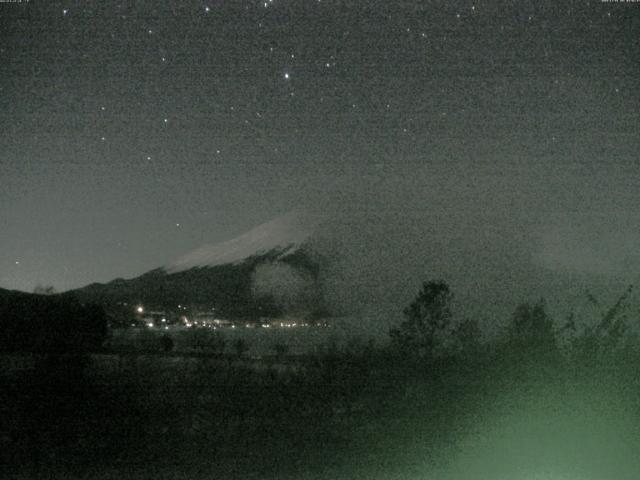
(268, 271)
(281, 237)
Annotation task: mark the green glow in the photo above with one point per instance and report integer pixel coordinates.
(571, 432)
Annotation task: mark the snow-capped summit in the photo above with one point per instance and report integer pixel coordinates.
(285, 233)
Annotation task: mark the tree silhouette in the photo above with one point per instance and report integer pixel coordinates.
(467, 337)
(166, 343)
(281, 350)
(44, 290)
(240, 346)
(531, 330)
(427, 319)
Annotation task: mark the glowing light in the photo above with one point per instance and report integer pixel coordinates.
(140, 309)
(286, 76)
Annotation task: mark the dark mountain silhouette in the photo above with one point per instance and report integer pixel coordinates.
(49, 323)
(231, 277)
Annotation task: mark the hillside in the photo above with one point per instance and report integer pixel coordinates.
(263, 273)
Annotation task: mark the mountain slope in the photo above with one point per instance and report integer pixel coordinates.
(240, 278)
(284, 234)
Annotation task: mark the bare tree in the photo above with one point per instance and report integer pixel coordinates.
(44, 290)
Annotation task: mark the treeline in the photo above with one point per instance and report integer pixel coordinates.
(346, 401)
(429, 333)
(49, 324)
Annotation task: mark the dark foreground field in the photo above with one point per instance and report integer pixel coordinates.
(338, 414)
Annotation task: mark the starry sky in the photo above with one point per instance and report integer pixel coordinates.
(503, 133)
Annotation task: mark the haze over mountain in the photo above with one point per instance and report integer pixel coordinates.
(367, 270)
(269, 271)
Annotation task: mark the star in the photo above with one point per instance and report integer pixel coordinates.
(65, 11)
(207, 9)
(286, 76)
(166, 120)
(17, 262)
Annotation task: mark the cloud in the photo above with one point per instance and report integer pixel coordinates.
(291, 288)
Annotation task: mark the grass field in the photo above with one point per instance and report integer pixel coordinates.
(339, 414)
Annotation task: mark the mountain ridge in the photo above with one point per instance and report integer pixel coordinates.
(287, 233)
(239, 278)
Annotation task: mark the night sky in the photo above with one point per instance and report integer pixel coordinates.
(467, 138)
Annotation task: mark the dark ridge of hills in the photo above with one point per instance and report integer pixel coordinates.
(48, 323)
(229, 288)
